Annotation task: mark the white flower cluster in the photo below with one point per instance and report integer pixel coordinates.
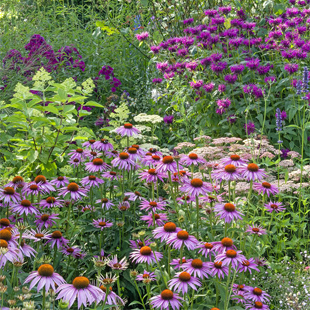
(144, 118)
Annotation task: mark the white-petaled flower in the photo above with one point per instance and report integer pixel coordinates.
(144, 118)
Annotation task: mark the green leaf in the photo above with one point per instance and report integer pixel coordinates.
(32, 155)
(84, 113)
(51, 109)
(68, 108)
(93, 104)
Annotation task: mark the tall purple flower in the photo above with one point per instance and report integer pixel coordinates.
(166, 299)
(127, 130)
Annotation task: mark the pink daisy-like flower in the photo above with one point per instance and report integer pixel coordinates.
(80, 289)
(145, 255)
(133, 196)
(46, 220)
(152, 176)
(102, 223)
(182, 237)
(227, 212)
(152, 205)
(251, 172)
(7, 253)
(44, 185)
(217, 269)
(248, 265)
(123, 162)
(167, 164)
(24, 207)
(138, 244)
(17, 182)
(112, 299)
(118, 265)
(92, 155)
(56, 239)
(127, 130)
(105, 203)
(150, 160)
(111, 175)
(182, 281)
(140, 151)
(159, 218)
(51, 202)
(8, 194)
(166, 300)
(196, 187)
(146, 276)
(274, 207)
(265, 188)
(75, 192)
(257, 305)
(103, 145)
(79, 154)
(185, 199)
(71, 251)
(235, 160)
(133, 154)
(196, 267)
(256, 294)
(226, 173)
(90, 143)
(96, 165)
(44, 277)
(192, 159)
(26, 250)
(164, 232)
(36, 235)
(177, 263)
(231, 257)
(75, 162)
(60, 182)
(256, 230)
(206, 249)
(91, 181)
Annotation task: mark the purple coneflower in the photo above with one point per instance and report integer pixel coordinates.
(56, 239)
(146, 276)
(235, 160)
(118, 265)
(274, 207)
(256, 230)
(138, 244)
(127, 130)
(36, 235)
(44, 277)
(51, 202)
(102, 223)
(252, 172)
(90, 143)
(79, 154)
(217, 269)
(105, 203)
(231, 257)
(182, 238)
(26, 250)
(257, 305)
(75, 192)
(166, 299)
(112, 299)
(177, 263)
(159, 219)
(111, 175)
(24, 207)
(256, 294)
(227, 212)
(46, 220)
(152, 205)
(206, 249)
(167, 164)
(165, 231)
(17, 182)
(41, 181)
(8, 194)
(75, 162)
(32, 189)
(103, 145)
(182, 281)
(60, 181)
(196, 187)
(123, 162)
(70, 251)
(133, 196)
(91, 181)
(96, 165)
(248, 265)
(224, 245)
(133, 154)
(145, 255)
(228, 173)
(197, 267)
(192, 159)
(265, 188)
(80, 289)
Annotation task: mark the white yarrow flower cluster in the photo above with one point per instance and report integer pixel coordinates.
(144, 118)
